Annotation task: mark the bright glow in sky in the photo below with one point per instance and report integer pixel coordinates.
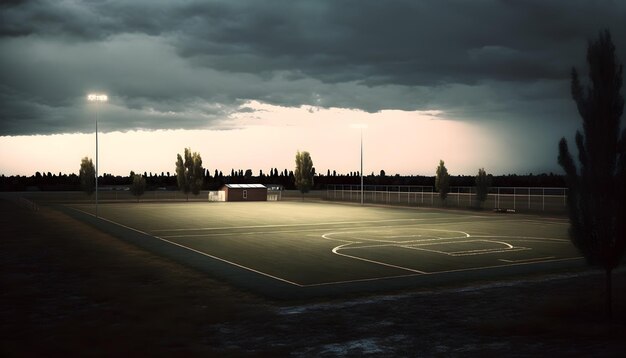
(403, 142)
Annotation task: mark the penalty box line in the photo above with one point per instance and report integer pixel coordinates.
(194, 250)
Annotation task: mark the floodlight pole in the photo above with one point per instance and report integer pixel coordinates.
(97, 98)
(97, 159)
(361, 165)
(361, 126)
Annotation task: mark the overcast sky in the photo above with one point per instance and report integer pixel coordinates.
(499, 69)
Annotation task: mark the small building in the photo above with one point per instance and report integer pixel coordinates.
(244, 192)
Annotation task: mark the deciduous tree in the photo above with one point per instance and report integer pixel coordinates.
(303, 175)
(189, 173)
(87, 175)
(483, 182)
(138, 186)
(442, 181)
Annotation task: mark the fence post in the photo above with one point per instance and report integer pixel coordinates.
(514, 196)
(498, 197)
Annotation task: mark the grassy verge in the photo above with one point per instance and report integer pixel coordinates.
(70, 290)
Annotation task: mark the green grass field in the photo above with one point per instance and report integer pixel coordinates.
(323, 244)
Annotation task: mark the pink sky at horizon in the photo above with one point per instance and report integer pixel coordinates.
(402, 142)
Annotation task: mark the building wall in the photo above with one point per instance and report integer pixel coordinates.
(254, 194)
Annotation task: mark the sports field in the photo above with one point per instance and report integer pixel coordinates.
(309, 244)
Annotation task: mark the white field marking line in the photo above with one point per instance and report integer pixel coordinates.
(391, 242)
(462, 242)
(335, 251)
(289, 225)
(528, 260)
(243, 233)
(343, 247)
(469, 253)
(364, 279)
(549, 220)
(442, 272)
(524, 238)
(288, 231)
(397, 236)
(438, 272)
(197, 251)
(488, 251)
(405, 244)
(230, 262)
(471, 222)
(405, 226)
(417, 245)
(510, 264)
(317, 224)
(363, 229)
(509, 248)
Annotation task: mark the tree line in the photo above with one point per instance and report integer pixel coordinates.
(213, 179)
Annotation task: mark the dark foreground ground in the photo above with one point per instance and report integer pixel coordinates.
(67, 289)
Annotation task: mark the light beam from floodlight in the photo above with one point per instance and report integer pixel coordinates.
(360, 126)
(96, 97)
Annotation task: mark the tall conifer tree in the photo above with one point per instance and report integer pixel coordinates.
(597, 185)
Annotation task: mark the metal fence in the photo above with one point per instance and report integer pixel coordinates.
(515, 198)
(387, 194)
(105, 196)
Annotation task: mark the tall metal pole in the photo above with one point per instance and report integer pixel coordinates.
(361, 166)
(97, 98)
(97, 105)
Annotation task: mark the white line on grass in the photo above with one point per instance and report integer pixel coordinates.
(509, 248)
(196, 251)
(241, 233)
(524, 238)
(528, 260)
(296, 225)
(510, 264)
(336, 251)
(347, 243)
(361, 229)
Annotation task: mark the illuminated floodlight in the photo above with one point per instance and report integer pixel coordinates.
(97, 97)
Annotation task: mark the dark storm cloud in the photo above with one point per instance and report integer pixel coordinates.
(186, 64)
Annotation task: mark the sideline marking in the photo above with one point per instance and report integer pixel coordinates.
(446, 219)
(528, 260)
(194, 250)
(525, 238)
(417, 273)
(287, 225)
(351, 230)
(336, 251)
(434, 240)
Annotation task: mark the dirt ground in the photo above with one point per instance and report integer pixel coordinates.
(68, 289)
